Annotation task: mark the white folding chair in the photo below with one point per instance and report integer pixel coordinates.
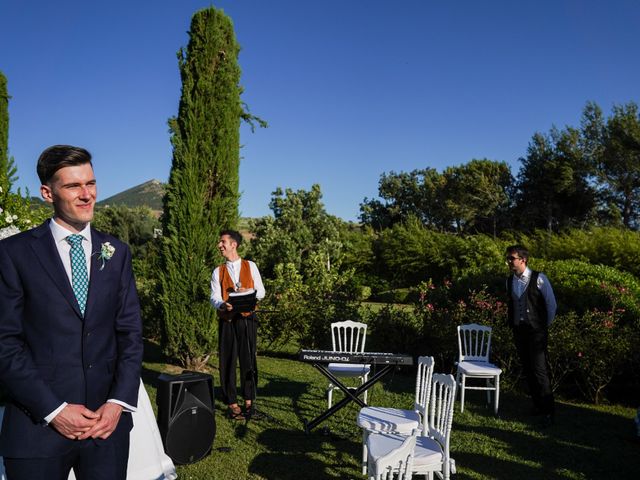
(348, 337)
(397, 463)
(474, 346)
(431, 453)
(396, 420)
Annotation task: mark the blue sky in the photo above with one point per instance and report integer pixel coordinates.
(350, 88)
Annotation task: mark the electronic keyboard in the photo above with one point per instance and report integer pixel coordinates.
(376, 358)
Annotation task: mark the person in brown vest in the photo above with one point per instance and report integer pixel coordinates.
(237, 331)
(531, 309)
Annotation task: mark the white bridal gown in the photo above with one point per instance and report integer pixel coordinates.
(147, 460)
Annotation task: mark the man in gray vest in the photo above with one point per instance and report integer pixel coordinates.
(532, 307)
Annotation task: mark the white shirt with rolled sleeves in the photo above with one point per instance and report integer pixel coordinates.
(234, 271)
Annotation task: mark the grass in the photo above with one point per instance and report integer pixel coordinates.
(586, 442)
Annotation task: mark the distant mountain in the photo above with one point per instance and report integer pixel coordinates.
(148, 194)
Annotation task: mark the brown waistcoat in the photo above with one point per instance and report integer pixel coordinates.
(227, 285)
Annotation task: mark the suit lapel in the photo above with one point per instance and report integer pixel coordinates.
(46, 251)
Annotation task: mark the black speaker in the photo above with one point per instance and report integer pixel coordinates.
(186, 415)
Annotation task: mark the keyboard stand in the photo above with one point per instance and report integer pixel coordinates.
(351, 393)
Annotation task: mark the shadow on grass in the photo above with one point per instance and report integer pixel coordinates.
(400, 380)
(278, 353)
(582, 443)
(292, 454)
(276, 388)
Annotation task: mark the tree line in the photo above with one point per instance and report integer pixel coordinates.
(572, 177)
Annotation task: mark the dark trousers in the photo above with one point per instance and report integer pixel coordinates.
(89, 461)
(532, 349)
(237, 342)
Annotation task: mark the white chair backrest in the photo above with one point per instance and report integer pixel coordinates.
(443, 395)
(423, 385)
(474, 342)
(398, 463)
(348, 336)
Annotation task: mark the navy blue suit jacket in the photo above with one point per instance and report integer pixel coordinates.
(50, 354)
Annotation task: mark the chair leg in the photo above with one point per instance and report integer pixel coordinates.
(462, 393)
(496, 399)
(364, 379)
(365, 453)
(488, 385)
(330, 394)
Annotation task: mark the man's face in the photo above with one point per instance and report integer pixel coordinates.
(516, 264)
(227, 247)
(72, 191)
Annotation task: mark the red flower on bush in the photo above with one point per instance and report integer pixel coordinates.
(483, 305)
(608, 323)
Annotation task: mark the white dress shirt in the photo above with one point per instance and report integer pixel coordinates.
(234, 271)
(520, 283)
(60, 235)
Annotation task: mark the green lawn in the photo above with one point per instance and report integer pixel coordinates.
(587, 442)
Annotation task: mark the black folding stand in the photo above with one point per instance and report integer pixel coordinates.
(351, 394)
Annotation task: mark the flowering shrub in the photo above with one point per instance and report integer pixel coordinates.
(16, 213)
(590, 350)
(428, 327)
(442, 310)
(587, 349)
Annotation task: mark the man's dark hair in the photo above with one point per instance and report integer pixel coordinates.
(520, 250)
(234, 234)
(59, 156)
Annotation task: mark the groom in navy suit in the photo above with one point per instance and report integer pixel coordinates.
(70, 335)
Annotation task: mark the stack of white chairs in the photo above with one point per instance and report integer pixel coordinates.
(474, 346)
(395, 420)
(396, 464)
(348, 337)
(431, 452)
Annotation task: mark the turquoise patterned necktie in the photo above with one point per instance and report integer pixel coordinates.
(79, 276)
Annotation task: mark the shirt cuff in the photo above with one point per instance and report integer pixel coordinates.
(126, 406)
(54, 414)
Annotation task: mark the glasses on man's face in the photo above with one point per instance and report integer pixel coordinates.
(511, 258)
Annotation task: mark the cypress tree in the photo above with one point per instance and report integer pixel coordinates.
(4, 134)
(202, 194)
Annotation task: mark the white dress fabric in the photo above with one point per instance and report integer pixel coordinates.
(147, 459)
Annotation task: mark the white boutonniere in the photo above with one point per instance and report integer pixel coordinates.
(106, 252)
